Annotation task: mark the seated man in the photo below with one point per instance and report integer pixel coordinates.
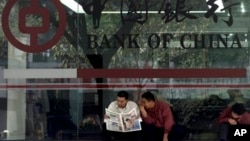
(157, 118)
(122, 105)
(234, 115)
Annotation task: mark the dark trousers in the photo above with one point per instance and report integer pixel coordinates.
(223, 131)
(121, 136)
(152, 133)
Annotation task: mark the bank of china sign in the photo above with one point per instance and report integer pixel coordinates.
(136, 12)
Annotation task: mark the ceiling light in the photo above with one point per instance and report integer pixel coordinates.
(73, 5)
(220, 5)
(77, 8)
(242, 8)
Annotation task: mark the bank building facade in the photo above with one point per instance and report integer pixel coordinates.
(63, 61)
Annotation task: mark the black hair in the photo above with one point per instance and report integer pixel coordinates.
(148, 96)
(238, 108)
(123, 94)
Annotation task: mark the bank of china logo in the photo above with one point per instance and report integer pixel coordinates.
(31, 43)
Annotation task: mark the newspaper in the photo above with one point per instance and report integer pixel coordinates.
(123, 122)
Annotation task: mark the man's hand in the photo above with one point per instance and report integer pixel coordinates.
(165, 137)
(232, 121)
(106, 116)
(142, 109)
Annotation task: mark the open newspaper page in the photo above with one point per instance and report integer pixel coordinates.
(131, 121)
(123, 122)
(114, 123)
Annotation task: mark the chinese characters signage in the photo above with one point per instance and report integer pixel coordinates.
(135, 11)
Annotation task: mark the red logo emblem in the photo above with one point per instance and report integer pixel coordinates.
(34, 31)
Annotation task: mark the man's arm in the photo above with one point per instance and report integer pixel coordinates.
(245, 120)
(143, 111)
(169, 122)
(144, 114)
(110, 108)
(224, 116)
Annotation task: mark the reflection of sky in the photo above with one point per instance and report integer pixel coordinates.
(196, 5)
(116, 6)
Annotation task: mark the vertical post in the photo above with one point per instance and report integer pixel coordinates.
(97, 62)
(16, 99)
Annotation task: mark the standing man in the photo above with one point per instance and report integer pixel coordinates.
(122, 105)
(233, 115)
(157, 118)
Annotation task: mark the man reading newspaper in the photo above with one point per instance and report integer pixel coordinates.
(122, 119)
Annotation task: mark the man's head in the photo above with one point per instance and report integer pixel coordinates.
(122, 99)
(238, 109)
(148, 100)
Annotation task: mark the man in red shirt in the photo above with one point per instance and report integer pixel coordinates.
(157, 118)
(235, 115)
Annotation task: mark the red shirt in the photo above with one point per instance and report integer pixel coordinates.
(227, 113)
(160, 116)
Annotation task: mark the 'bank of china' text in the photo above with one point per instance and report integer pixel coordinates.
(156, 41)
